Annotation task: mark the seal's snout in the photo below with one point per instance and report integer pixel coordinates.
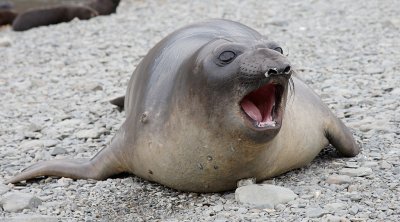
(283, 69)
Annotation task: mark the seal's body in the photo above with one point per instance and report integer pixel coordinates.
(211, 104)
(51, 15)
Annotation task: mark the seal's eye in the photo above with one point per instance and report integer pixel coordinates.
(279, 49)
(227, 56)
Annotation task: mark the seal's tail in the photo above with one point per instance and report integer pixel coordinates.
(101, 166)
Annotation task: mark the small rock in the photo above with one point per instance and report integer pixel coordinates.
(352, 188)
(208, 212)
(58, 150)
(370, 164)
(395, 91)
(28, 144)
(3, 188)
(280, 207)
(353, 210)
(64, 181)
(315, 212)
(333, 218)
(245, 182)
(85, 134)
(317, 194)
(358, 172)
(218, 208)
(385, 165)
(338, 179)
(50, 143)
(355, 196)
(263, 195)
(66, 123)
(242, 210)
(356, 219)
(88, 86)
(374, 70)
(333, 207)
(221, 219)
(35, 127)
(15, 201)
(396, 170)
(307, 196)
(351, 165)
(5, 42)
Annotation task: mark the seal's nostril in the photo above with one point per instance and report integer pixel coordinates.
(272, 71)
(287, 70)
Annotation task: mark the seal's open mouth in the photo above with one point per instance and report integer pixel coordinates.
(262, 106)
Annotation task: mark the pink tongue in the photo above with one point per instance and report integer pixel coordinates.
(251, 110)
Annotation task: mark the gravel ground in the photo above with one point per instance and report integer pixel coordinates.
(55, 83)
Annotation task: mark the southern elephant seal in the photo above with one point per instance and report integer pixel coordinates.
(7, 16)
(36, 17)
(211, 104)
(104, 7)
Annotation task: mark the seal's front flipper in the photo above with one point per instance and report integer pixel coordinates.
(119, 101)
(99, 167)
(341, 137)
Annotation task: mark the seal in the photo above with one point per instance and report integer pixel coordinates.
(7, 16)
(104, 7)
(211, 104)
(51, 15)
(6, 5)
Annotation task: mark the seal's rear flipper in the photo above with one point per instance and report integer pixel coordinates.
(341, 137)
(99, 167)
(119, 101)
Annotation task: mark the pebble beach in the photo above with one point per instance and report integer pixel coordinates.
(56, 83)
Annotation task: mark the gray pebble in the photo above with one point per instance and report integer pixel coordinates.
(242, 210)
(355, 196)
(5, 42)
(315, 212)
(374, 70)
(385, 165)
(280, 207)
(370, 164)
(58, 150)
(396, 170)
(91, 133)
(50, 143)
(221, 219)
(16, 201)
(338, 179)
(333, 218)
(357, 172)
(218, 208)
(263, 195)
(333, 207)
(29, 144)
(353, 210)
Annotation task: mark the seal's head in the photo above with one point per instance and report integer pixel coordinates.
(247, 85)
